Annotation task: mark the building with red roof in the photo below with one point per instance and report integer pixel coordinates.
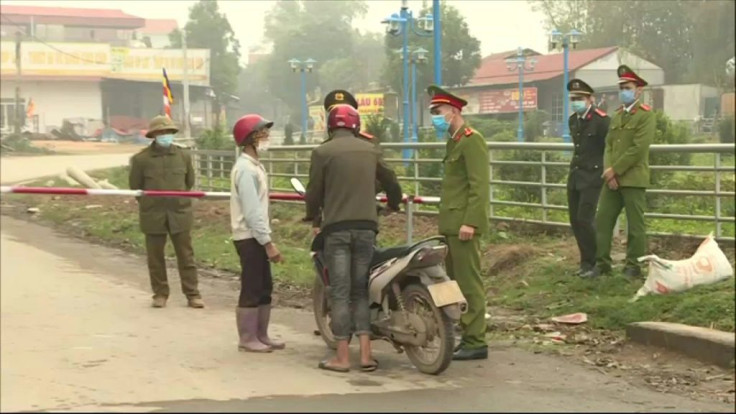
(157, 31)
(494, 87)
(90, 63)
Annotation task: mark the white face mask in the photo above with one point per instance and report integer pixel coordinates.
(264, 144)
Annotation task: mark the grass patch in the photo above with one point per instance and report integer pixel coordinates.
(542, 285)
(525, 271)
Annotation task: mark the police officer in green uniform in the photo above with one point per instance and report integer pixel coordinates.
(164, 165)
(463, 215)
(588, 128)
(626, 174)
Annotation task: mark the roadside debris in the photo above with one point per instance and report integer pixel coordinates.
(33, 210)
(571, 319)
(707, 266)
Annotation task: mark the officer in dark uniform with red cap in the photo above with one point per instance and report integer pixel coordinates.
(588, 128)
(463, 215)
(626, 174)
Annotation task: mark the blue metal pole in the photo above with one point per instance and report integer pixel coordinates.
(437, 42)
(405, 56)
(520, 132)
(304, 103)
(415, 113)
(565, 103)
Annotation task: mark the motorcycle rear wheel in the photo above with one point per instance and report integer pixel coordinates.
(418, 300)
(321, 309)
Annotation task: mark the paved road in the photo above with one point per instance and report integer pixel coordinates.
(78, 335)
(18, 169)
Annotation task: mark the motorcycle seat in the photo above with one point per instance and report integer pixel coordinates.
(382, 255)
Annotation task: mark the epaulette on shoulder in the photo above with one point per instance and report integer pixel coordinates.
(600, 112)
(645, 107)
(468, 131)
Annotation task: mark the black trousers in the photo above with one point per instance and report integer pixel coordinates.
(582, 204)
(256, 283)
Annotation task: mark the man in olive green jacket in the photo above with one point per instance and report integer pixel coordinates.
(463, 215)
(626, 174)
(166, 166)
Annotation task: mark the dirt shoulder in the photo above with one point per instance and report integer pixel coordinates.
(527, 276)
(85, 147)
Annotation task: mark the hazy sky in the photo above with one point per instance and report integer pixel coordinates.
(499, 25)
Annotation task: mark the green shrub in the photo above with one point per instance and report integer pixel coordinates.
(727, 130)
(534, 125)
(669, 133)
(215, 139)
(378, 126)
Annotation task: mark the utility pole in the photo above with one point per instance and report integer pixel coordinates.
(19, 109)
(185, 83)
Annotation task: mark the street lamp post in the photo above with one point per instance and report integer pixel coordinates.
(418, 56)
(437, 43)
(519, 63)
(572, 38)
(398, 24)
(303, 67)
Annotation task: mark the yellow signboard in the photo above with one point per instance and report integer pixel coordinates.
(370, 103)
(100, 59)
(317, 113)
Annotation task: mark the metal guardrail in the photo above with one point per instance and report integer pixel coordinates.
(214, 168)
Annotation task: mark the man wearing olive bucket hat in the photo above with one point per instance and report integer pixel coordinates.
(164, 166)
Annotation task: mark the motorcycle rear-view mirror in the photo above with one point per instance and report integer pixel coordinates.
(298, 186)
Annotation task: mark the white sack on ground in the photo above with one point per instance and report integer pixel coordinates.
(708, 265)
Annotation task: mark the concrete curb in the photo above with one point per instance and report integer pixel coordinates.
(707, 345)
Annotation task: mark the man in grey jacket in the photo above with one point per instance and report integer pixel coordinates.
(252, 235)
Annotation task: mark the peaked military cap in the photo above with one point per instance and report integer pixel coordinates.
(339, 97)
(577, 87)
(625, 74)
(440, 96)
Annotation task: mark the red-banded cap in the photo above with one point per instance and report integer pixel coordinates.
(440, 96)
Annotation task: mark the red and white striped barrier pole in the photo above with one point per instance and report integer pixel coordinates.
(408, 200)
(188, 194)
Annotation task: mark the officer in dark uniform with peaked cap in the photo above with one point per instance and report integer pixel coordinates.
(626, 174)
(588, 128)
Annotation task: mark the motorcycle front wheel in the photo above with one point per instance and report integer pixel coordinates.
(436, 354)
(321, 309)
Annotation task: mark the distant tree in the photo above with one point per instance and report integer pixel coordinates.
(320, 30)
(460, 53)
(208, 28)
(688, 39)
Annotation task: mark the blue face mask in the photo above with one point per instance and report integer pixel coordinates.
(579, 106)
(627, 96)
(441, 126)
(165, 140)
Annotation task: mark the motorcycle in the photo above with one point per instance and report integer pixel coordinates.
(414, 305)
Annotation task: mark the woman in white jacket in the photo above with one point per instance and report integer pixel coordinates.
(252, 235)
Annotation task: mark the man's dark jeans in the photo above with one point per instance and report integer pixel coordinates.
(348, 254)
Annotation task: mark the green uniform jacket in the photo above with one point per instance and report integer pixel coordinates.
(466, 184)
(627, 145)
(156, 168)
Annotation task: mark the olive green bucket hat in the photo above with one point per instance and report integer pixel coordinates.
(161, 123)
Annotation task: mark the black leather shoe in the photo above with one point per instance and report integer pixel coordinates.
(632, 271)
(464, 354)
